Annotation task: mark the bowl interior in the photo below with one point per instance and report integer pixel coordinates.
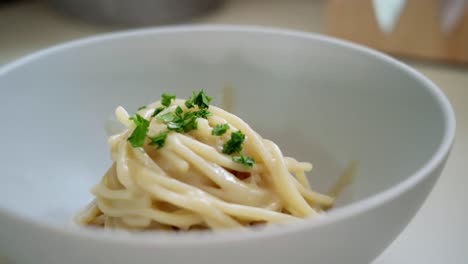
(319, 100)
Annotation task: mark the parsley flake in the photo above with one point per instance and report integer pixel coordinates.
(234, 144)
(189, 103)
(244, 160)
(167, 117)
(157, 111)
(179, 121)
(176, 126)
(183, 123)
(219, 129)
(141, 107)
(137, 138)
(190, 122)
(167, 99)
(201, 100)
(203, 113)
(159, 140)
(178, 111)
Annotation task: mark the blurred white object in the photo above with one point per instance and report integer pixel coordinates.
(452, 13)
(388, 12)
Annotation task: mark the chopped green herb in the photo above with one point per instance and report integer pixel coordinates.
(167, 99)
(234, 144)
(176, 126)
(178, 122)
(219, 129)
(167, 117)
(157, 111)
(141, 107)
(190, 121)
(159, 140)
(202, 113)
(139, 120)
(183, 123)
(179, 111)
(201, 99)
(189, 103)
(244, 160)
(137, 138)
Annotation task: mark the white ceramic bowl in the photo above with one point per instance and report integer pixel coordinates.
(323, 100)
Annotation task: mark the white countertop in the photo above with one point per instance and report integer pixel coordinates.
(439, 231)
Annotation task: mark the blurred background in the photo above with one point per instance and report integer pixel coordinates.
(430, 35)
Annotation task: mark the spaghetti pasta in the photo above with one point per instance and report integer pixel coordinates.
(183, 175)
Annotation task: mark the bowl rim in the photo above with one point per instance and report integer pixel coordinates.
(202, 238)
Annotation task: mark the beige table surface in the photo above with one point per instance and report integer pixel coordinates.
(439, 231)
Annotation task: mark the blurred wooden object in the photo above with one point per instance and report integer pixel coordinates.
(417, 33)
